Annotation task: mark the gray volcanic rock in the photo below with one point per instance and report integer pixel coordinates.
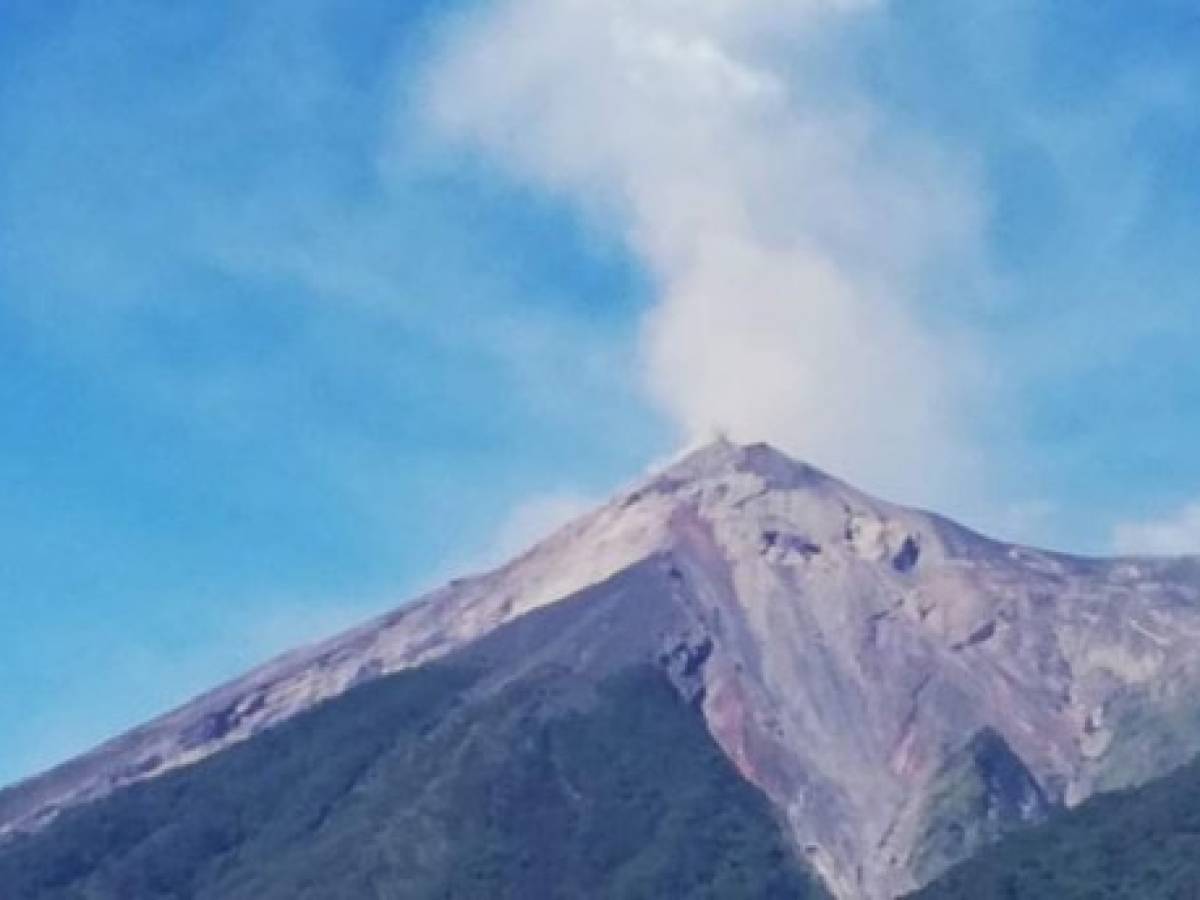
(902, 688)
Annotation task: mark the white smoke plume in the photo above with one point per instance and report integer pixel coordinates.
(785, 224)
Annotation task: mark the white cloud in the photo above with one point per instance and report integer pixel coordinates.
(527, 523)
(787, 228)
(535, 518)
(1174, 534)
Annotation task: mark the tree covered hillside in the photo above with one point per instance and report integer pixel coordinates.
(1138, 844)
(408, 787)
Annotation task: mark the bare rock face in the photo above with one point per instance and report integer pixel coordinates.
(904, 690)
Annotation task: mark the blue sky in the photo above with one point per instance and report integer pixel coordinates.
(304, 305)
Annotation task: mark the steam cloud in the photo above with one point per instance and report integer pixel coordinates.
(786, 225)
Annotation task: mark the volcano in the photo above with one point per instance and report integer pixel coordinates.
(739, 677)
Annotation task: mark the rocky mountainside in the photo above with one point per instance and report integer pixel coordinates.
(902, 689)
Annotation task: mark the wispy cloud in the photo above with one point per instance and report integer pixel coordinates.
(1175, 533)
(537, 516)
(787, 226)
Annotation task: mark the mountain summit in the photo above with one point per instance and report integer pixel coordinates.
(902, 690)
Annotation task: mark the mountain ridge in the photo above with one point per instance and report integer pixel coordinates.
(856, 649)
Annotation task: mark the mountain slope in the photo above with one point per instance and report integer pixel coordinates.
(1137, 844)
(526, 767)
(902, 689)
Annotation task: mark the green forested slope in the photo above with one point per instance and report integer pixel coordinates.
(407, 788)
(1139, 844)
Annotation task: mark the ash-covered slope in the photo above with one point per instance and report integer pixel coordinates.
(902, 689)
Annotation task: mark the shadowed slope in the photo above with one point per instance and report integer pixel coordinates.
(557, 758)
(1138, 844)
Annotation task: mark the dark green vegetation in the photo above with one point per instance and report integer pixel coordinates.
(423, 785)
(1148, 737)
(982, 793)
(1138, 844)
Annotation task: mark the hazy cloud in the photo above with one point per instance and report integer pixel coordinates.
(533, 519)
(1175, 533)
